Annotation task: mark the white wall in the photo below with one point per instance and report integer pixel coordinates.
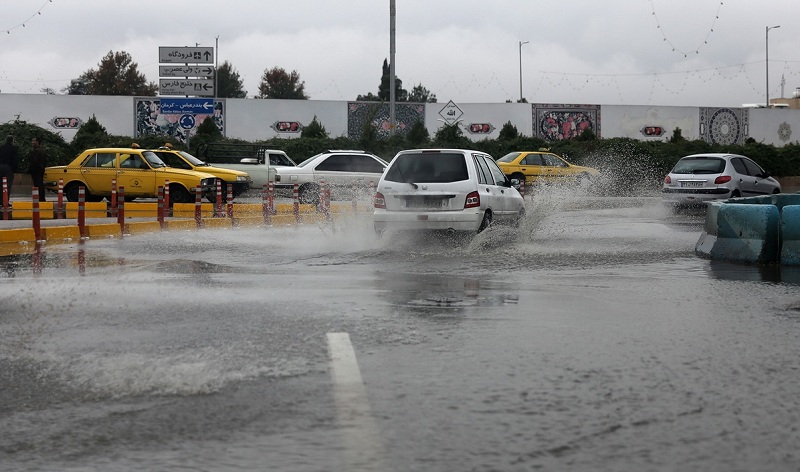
(252, 119)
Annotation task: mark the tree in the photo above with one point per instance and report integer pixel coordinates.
(508, 132)
(400, 94)
(116, 74)
(229, 83)
(418, 134)
(90, 134)
(314, 130)
(277, 83)
(420, 94)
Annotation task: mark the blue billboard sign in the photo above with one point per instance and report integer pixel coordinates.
(183, 106)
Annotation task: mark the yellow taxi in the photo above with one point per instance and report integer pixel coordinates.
(139, 171)
(237, 180)
(543, 167)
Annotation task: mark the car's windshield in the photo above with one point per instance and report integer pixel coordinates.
(699, 165)
(154, 160)
(195, 161)
(428, 167)
(509, 157)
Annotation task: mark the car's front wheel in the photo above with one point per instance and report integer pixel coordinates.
(179, 194)
(71, 191)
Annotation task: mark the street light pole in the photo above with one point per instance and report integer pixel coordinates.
(520, 68)
(767, 60)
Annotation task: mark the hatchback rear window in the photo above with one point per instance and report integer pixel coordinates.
(428, 167)
(699, 165)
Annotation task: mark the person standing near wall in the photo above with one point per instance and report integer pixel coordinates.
(38, 161)
(8, 161)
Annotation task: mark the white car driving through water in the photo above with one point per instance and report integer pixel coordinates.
(451, 190)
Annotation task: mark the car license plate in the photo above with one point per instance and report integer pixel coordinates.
(692, 184)
(424, 202)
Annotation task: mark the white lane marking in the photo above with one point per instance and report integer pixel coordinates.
(363, 449)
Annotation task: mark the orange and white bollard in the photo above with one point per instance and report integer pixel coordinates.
(218, 209)
(271, 193)
(167, 204)
(229, 199)
(113, 202)
(82, 211)
(121, 209)
(198, 202)
(296, 202)
(265, 210)
(160, 208)
(37, 221)
(5, 200)
(60, 213)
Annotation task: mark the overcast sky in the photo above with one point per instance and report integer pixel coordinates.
(631, 52)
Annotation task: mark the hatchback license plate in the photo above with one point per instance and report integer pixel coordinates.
(424, 202)
(692, 184)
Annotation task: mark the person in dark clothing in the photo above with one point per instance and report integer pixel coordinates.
(38, 161)
(8, 162)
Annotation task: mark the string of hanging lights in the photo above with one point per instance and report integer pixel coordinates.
(34, 15)
(667, 40)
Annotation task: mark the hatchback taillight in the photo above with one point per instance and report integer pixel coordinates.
(722, 179)
(379, 201)
(667, 180)
(473, 200)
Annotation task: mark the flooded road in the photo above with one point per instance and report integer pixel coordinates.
(590, 339)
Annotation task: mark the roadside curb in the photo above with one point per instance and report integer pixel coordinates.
(18, 236)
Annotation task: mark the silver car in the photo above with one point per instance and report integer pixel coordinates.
(452, 190)
(700, 178)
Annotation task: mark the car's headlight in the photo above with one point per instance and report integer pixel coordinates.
(210, 182)
(242, 178)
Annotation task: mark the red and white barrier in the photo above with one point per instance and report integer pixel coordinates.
(60, 211)
(296, 202)
(198, 202)
(82, 212)
(37, 221)
(121, 209)
(167, 205)
(6, 208)
(218, 210)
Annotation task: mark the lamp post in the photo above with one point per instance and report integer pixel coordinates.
(767, 60)
(520, 68)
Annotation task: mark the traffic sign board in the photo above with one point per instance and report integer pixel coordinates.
(187, 121)
(186, 71)
(186, 55)
(199, 87)
(182, 106)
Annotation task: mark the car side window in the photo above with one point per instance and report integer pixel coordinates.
(278, 160)
(752, 168)
(484, 174)
(532, 160)
(336, 163)
(100, 159)
(553, 161)
(364, 163)
(134, 161)
(499, 176)
(738, 166)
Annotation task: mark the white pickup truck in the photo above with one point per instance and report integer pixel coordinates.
(259, 162)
